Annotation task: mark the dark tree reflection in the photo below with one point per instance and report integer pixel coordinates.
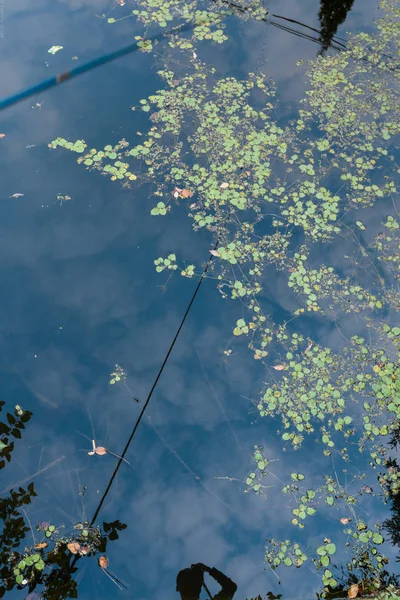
(332, 13)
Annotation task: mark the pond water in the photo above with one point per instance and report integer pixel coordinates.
(80, 295)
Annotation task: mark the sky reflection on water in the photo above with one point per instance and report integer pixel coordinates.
(80, 294)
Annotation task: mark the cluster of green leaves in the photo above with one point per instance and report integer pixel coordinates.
(254, 478)
(117, 375)
(285, 553)
(97, 159)
(219, 138)
(207, 24)
(168, 263)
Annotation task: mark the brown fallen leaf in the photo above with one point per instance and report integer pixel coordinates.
(279, 367)
(186, 193)
(2, 135)
(345, 520)
(41, 545)
(100, 450)
(308, 347)
(74, 547)
(215, 253)
(84, 550)
(353, 591)
(224, 186)
(103, 562)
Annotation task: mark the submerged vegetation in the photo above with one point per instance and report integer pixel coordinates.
(283, 195)
(47, 563)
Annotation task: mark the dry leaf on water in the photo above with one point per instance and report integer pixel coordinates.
(100, 450)
(41, 545)
(186, 193)
(74, 547)
(279, 367)
(103, 562)
(17, 195)
(177, 192)
(2, 135)
(345, 520)
(215, 253)
(224, 186)
(353, 591)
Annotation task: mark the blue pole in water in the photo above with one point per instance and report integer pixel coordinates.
(92, 64)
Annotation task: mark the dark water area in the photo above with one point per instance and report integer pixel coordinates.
(80, 295)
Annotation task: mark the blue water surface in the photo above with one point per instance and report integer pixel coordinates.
(80, 294)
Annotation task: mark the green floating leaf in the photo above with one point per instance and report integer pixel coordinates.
(331, 548)
(325, 560)
(40, 565)
(377, 538)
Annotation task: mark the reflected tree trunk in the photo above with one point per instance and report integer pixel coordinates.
(332, 13)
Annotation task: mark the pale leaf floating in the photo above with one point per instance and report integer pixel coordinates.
(353, 591)
(308, 348)
(215, 253)
(17, 195)
(101, 451)
(103, 562)
(182, 193)
(345, 520)
(2, 135)
(74, 547)
(224, 186)
(177, 192)
(279, 367)
(54, 49)
(41, 546)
